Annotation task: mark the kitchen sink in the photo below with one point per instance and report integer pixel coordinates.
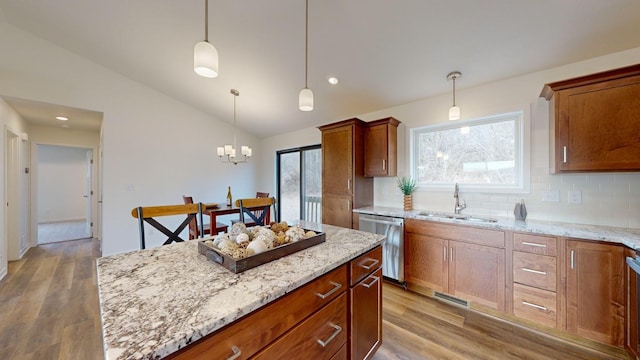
(457, 217)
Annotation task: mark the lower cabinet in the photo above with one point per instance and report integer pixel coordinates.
(365, 293)
(595, 291)
(467, 270)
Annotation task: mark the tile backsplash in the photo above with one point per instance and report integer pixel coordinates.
(606, 199)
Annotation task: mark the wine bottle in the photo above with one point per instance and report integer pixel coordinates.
(229, 198)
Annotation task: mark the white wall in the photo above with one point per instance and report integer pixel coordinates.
(62, 172)
(609, 199)
(9, 119)
(155, 149)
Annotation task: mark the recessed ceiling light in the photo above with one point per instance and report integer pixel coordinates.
(332, 80)
(62, 118)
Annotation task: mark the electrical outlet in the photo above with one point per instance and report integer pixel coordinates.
(574, 197)
(551, 196)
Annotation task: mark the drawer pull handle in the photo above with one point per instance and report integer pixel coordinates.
(336, 286)
(337, 331)
(534, 305)
(374, 262)
(534, 244)
(375, 279)
(236, 353)
(535, 271)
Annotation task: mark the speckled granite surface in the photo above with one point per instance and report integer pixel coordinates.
(628, 237)
(156, 301)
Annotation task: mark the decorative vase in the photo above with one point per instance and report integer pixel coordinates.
(408, 204)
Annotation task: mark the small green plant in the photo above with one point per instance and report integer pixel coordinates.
(407, 186)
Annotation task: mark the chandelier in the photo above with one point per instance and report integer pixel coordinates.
(227, 153)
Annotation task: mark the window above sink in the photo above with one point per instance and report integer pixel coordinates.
(488, 154)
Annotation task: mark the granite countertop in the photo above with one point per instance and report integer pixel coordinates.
(628, 237)
(154, 302)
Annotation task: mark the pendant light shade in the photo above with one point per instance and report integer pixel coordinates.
(306, 100)
(205, 59)
(454, 111)
(205, 55)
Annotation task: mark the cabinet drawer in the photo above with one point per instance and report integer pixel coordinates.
(318, 337)
(534, 304)
(494, 238)
(341, 354)
(535, 244)
(365, 264)
(256, 330)
(535, 270)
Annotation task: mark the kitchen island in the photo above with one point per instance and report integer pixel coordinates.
(157, 301)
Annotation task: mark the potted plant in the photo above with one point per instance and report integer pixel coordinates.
(407, 186)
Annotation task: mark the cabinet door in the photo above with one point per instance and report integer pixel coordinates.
(426, 262)
(376, 147)
(366, 316)
(337, 160)
(595, 291)
(337, 210)
(598, 125)
(477, 273)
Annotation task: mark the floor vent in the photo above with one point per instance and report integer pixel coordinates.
(450, 298)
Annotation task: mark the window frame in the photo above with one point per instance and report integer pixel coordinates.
(522, 143)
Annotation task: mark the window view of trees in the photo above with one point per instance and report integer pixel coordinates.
(483, 153)
(300, 184)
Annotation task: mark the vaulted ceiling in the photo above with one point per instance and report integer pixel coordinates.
(384, 52)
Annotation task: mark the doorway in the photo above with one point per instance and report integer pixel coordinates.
(299, 183)
(64, 193)
(11, 242)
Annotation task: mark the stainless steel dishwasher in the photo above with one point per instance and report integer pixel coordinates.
(392, 247)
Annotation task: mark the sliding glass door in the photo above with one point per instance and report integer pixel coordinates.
(299, 173)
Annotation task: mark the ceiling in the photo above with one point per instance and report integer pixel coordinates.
(44, 114)
(385, 53)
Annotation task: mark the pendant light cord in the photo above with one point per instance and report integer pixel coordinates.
(206, 20)
(454, 91)
(306, 43)
(235, 143)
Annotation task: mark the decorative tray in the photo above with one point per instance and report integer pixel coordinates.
(239, 265)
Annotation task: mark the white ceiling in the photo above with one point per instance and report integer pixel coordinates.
(385, 53)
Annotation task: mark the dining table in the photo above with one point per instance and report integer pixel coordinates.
(215, 210)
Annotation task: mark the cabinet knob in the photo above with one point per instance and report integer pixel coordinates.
(336, 286)
(374, 262)
(236, 353)
(337, 331)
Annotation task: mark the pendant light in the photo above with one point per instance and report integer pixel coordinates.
(227, 153)
(205, 55)
(305, 99)
(454, 111)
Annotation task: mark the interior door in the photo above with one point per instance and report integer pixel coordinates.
(89, 192)
(11, 245)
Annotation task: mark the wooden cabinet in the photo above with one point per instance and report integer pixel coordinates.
(595, 291)
(381, 148)
(631, 317)
(365, 336)
(261, 328)
(536, 279)
(344, 186)
(467, 263)
(595, 120)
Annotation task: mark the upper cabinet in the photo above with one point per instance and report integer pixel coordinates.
(595, 121)
(381, 148)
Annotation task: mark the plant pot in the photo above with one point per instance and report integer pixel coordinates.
(408, 202)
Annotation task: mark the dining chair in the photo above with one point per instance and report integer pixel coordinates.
(149, 214)
(256, 213)
(245, 206)
(194, 232)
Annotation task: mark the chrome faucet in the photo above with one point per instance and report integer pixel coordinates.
(458, 208)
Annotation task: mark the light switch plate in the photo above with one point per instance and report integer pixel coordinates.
(551, 196)
(574, 197)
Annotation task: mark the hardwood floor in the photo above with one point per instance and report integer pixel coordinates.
(49, 310)
(49, 304)
(417, 327)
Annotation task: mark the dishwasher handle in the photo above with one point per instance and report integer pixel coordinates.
(383, 222)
